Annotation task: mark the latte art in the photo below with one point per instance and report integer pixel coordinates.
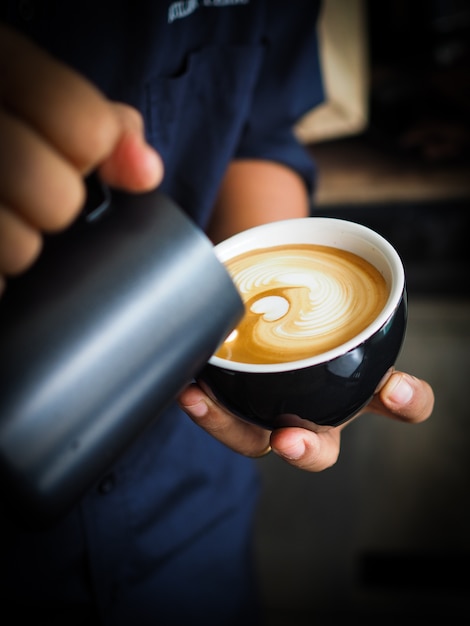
(300, 301)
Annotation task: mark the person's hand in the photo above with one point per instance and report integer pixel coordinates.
(401, 397)
(55, 128)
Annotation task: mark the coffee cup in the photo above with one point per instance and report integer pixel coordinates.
(325, 318)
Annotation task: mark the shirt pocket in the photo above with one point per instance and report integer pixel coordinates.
(195, 119)
(215, 81)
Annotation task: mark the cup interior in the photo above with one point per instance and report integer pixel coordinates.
(333, 232)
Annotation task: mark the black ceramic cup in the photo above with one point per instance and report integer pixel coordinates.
(113, 320)
(327, 389)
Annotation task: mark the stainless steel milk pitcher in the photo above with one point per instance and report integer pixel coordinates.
(113, 320)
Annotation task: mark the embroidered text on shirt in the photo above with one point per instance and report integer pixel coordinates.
(223, 3)
(178, 10)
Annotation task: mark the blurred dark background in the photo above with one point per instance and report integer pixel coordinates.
(382, 537)
(413, 158)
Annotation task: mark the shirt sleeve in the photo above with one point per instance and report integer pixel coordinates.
(289, 85)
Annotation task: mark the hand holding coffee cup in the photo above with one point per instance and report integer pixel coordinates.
(325, 317)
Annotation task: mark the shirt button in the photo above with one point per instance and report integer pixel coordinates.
(26, 10)
(107, 484)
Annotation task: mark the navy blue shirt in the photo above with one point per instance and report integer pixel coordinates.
(165, 537)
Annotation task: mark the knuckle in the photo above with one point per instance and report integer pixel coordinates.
(20, 243)
(26, 256)
(130, 118)
(95, 136)
(62, 205)
(36, 181)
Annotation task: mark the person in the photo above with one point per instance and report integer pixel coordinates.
(198, 98)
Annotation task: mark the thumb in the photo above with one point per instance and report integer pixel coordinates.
(133, 165)
(406, 398)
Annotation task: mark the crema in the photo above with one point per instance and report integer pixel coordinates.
(301, 300)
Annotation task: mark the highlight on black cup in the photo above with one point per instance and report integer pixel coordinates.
(325, 318)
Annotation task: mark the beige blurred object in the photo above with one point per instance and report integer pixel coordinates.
(344, 60)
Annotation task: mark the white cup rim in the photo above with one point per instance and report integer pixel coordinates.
(329, 231)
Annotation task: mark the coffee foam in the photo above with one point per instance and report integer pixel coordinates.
(301, 300)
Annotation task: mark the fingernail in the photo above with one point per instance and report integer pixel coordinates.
(295, 452)
(197, 410)
(402, 392)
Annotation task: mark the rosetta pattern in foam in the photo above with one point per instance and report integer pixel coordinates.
(301, 302)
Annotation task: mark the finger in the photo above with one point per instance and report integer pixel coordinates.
(19, 243)
(133, 164)
(233, 432)
(35, 180)
(404, 397)
(307, 450)
(89, 130)
(35, 87)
